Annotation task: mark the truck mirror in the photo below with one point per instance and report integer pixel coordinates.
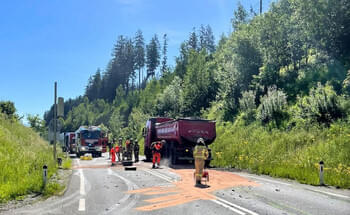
(144, 132)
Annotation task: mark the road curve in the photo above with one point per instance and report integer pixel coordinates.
(98, 188)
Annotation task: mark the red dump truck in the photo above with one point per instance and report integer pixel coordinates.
(180, 135)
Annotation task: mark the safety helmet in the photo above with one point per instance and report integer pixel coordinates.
(120, 139)
(131, 139)
(136, 141)
(200, 140)
(163, 141)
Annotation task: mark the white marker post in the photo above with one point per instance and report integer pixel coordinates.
(321, 173)
(44, 174)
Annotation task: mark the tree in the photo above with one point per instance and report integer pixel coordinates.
(93, 89)
(139, 53)
(165, 48)
(199, 87)
(153, 56)
(240, 16)
(36, 123)
(7, 108)
(193, 40)
(206, 39)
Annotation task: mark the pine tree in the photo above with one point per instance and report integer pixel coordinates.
(165, 48)
(139, 53)
(193, 40)
(153, 55)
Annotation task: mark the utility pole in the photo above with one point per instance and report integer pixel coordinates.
(55, 123)
(260, 7)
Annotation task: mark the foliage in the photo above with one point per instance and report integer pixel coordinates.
(321, 106)
(199, 87)
(293, 154)
(22, 156)
(272, 107)
(8, 108)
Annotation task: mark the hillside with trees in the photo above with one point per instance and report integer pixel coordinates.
(278, 87)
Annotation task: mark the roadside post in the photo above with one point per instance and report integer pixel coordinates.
(59, 161)
(321, 173)
(44, 175)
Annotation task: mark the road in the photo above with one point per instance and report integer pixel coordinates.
(97, 188)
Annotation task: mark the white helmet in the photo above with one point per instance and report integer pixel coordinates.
(200, 140)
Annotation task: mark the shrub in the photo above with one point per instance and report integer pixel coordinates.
(272, 107)
(322, 106)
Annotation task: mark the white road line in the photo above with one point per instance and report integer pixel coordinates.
(131, 203)
(159, 175)
(315, 190)
(82, 182)
(81, 205)
(229, 207)
(264, 179)
(236, 206)
(329, 193)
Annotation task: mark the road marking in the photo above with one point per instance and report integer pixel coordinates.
(228, 207)
(315, 190)
(81, 205)
(131, 203)
(82, 182)
(329, 193)
(264, 179)
(236, 206)
(159, 175)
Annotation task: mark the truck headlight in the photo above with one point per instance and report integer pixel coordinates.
(82, 148)
(99, 148)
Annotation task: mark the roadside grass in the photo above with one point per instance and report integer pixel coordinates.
(22, 156)
(293, 154)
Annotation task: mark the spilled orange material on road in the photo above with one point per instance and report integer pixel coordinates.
(184, 191)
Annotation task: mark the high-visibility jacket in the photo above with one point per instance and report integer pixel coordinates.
(200, 152)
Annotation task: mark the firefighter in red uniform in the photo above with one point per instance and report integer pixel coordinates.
(113, 155)
(156, 148)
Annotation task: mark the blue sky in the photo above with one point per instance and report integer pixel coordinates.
(42, 41)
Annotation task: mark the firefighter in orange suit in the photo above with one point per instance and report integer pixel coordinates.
(156, 148)
(200, 154)
(113, 155)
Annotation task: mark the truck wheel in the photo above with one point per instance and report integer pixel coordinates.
(173, 157)
(207, 163)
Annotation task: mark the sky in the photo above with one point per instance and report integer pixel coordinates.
(43, 41)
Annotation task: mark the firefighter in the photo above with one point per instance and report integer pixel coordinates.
(109, 149)
(136, 151)
(131, 149)
(120, 143)
(117, 151)
(200, 154)
(156, 148)
(113, 155)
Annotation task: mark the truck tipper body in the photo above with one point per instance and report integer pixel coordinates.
(90, 140)
(180, 135)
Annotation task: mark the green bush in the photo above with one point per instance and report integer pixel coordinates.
(291, 154)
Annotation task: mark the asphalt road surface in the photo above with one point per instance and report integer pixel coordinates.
(97, 188)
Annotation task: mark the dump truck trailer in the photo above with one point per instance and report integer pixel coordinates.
(180, 135)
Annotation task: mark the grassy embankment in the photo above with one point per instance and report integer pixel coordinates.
(291, 154)
(22, 156)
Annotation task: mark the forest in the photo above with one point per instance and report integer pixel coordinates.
(278, 87)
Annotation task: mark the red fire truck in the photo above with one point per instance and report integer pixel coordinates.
(180, 135)
(90, 140)
(69, 142)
